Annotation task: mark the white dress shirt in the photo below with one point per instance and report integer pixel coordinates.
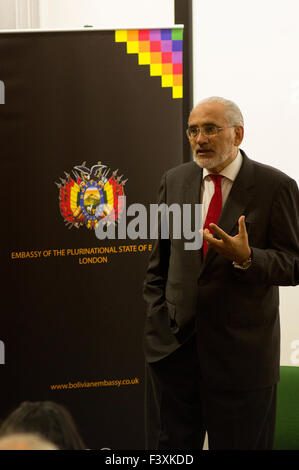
(229, 174)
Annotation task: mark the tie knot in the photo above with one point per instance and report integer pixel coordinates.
(216, 179)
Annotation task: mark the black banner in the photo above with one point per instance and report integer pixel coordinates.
(72, 309)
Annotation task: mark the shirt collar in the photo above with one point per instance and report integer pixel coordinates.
(231, 170)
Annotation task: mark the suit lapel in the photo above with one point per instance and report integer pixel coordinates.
(191, 195)
(238, 199)
(192, 185)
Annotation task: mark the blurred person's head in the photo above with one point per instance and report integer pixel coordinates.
(50, 420)
(23, 441)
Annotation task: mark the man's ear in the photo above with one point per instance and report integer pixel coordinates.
(239, 134)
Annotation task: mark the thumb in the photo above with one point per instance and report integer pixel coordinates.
(242, 226)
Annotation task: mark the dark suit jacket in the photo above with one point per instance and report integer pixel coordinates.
(235, 313)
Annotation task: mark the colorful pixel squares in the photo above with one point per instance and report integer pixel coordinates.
(162, 50)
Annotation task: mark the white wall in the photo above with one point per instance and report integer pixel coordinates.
(247, 51)
(7, 14)
(19, 14)
(106, 13)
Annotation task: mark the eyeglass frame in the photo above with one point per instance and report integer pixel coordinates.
(219, 129)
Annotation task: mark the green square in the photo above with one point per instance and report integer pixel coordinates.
(177, 34)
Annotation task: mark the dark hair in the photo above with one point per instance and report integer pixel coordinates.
(49, 419)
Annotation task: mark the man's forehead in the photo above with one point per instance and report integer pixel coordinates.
(208, 112)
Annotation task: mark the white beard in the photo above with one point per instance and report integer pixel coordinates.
(209, 163)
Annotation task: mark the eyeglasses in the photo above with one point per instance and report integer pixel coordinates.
(207, 130)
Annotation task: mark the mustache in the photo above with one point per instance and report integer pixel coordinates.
(199, 148)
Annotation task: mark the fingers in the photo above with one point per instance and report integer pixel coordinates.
(208, 237)
(206, 234)
(242, 226)
(224, 236)
(233, 248)
(221, 233)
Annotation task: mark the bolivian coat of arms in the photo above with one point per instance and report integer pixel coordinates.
(90, 196)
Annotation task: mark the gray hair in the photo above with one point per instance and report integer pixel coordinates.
(234, 116)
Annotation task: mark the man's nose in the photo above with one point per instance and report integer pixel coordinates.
(200, 138)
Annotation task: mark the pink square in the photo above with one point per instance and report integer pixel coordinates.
(166, 46)
(155, 34)
(177, 57)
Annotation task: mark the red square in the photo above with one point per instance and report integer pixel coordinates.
(144, 35)
(166, 57)
(177, 69)
(155, 46)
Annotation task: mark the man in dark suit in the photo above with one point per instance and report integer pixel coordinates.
(212, 333)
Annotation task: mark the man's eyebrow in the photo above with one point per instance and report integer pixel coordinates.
(205, 124)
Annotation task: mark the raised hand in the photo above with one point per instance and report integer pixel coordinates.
(234, 248)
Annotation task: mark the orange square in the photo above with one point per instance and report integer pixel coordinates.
(177, 80)
(144, 46)
(132, 35)
(167, 69)
(156, 57)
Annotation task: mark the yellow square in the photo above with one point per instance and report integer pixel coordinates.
(121, 35)
(144, 58)
(177, 92)
(156, 70)
(167, 80)
(132, 47)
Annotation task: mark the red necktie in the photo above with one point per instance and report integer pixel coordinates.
(215, 207)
